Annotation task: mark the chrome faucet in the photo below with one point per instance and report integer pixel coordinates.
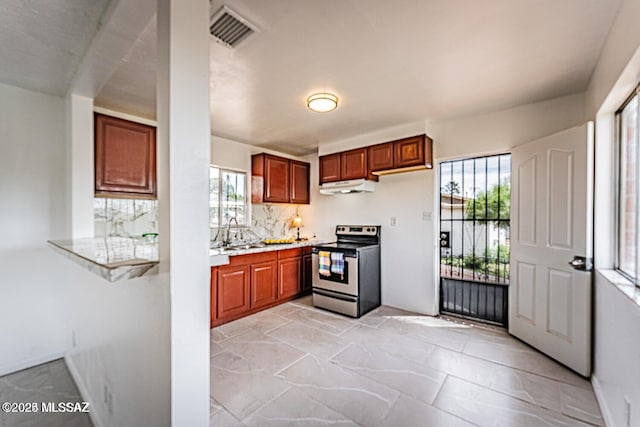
(227, 241)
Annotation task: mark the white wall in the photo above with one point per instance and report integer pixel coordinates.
(122, 341)
(121, 330)
(408, 250)
(617, 317)
(33, 208)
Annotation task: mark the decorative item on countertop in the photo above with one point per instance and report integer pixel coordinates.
(278, 241)
(297, 223)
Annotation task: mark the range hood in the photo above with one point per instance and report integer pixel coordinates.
(345, 187)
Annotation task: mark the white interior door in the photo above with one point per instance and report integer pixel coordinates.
(551, 222)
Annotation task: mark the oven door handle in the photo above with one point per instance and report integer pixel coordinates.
(346, 255)
(335, 295)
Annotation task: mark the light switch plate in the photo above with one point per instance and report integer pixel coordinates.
(426, 216)
(394, 221)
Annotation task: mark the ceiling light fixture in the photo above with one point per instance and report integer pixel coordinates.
(322, 102)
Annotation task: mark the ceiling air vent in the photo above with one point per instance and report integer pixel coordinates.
(229, 28)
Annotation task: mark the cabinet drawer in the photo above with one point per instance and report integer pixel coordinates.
(252, 258)
(289, 253)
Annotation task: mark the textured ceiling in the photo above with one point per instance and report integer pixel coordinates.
(43, 42)
(389, 62)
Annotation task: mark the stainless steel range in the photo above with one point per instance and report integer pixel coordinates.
(346, 274)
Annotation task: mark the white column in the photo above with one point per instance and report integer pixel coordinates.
(183, 159)
(80, 110)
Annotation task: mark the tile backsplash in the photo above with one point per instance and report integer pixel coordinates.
(125, 217)
(272, 220)
(133, 217)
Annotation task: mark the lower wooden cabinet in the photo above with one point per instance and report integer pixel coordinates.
(264, 284)
(250, 283)
(233, 290)
(307, 278)
(214, 297)
(289, 276)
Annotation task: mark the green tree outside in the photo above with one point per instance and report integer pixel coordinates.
(491, 206)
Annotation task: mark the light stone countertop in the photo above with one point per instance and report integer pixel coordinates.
(120, 258)
(113, 258)
(221, 256)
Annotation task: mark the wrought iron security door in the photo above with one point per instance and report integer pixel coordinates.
(474, 237)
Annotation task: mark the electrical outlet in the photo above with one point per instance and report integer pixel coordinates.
(394, 221)
(73, 339)
(627, 411)
(426, 216)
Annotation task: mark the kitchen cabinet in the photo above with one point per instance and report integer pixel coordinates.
(254, 282)
(307, 277)
(330, 168)
(410, 152)
(233, 291)
(346, 165)
(299, 174)
(214, 297)
(381, 157)
(353, 164)
(264, 283)
(125, 158)
(289, 272)
(276, 179)
(402, 155)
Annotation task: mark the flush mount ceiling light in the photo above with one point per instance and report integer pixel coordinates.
(322, 102)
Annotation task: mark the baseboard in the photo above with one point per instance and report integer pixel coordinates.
(604, 409)
(30, 363)
(77, 378)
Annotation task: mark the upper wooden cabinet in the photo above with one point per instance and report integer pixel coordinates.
(403, 155)
(299, 174)
(330, 168)
(352, 164)
(381, 157)
(410, 152)
(275, 179)
(125, 158)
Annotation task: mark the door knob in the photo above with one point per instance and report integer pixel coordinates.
(581, 263)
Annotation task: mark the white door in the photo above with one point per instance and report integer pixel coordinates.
(551, 222)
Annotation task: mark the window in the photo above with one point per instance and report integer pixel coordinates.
(628, 256)
(227, 197)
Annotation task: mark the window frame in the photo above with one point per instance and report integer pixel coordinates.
(618, 199)
(247, 209)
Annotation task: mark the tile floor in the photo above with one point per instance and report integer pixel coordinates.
(49, 382)
(294, 365)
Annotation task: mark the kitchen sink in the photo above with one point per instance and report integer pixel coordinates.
(240, 247)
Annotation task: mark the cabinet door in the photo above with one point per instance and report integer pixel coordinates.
(353, 164)
(214, 289)
(381, 157)
(276, 179)
(125, 157)
(233, 291)
(330, 168)
(409, 152)
(289, 275)
(264, 284)
(306, 273)
(299, 173)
